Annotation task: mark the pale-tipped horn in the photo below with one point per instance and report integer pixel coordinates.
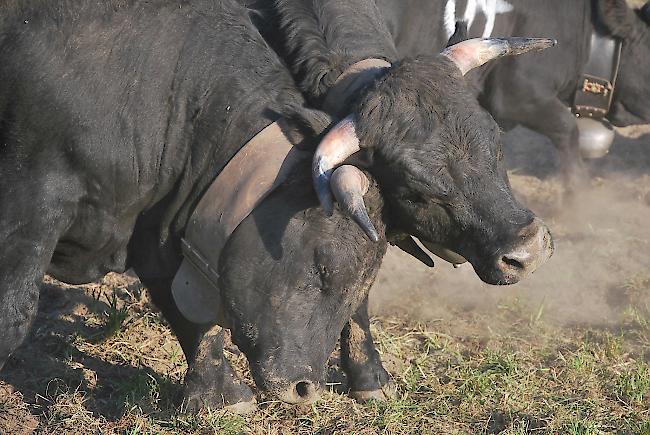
(337, 145)
(349, 185)
(473, 53)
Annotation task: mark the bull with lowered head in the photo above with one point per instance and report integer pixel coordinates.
(115, 119)
(537, 92)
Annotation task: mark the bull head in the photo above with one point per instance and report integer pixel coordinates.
(342, 140)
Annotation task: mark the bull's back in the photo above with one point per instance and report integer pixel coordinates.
(116, 100)
(98, 84)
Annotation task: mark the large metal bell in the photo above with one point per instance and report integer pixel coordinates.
(596, 137)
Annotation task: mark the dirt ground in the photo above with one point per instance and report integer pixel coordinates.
(567, 351)
(602, 242)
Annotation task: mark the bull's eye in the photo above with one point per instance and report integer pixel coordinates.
(415, 199)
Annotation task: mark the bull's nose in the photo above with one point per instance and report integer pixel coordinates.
(516, 260)
(302, 392)
(533, 250)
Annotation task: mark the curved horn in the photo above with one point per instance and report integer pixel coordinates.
(473, 53)
(349, 185)
(337, 145)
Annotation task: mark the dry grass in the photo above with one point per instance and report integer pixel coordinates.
(100, 360)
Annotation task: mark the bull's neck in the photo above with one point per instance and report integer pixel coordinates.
(329, 36)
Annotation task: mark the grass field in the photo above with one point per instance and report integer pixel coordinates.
(565, 352)
(102, 361)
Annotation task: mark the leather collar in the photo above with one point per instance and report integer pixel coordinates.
(257, 169)
(597, 83)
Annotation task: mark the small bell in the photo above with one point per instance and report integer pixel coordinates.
(596, 137)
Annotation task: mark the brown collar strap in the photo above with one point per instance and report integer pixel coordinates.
(259, 167)
(353, 78)
(597, 83)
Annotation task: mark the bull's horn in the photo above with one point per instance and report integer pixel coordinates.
(337, 145)
(349, 185)
(473, 53)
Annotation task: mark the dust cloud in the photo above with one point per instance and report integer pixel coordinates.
(601, 266)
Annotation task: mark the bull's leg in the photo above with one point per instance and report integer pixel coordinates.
(29, 229)
(555, 121)
(187, 333)
(367, 378)
(210, 382)
(524, 103)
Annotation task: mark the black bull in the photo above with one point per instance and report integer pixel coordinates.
(114, 119)
(537, 92)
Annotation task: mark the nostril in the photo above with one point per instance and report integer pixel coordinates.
(303, 389)
(512, 262)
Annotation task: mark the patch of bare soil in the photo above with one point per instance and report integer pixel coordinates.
(15, 417)
(602, 240)
(92, 352)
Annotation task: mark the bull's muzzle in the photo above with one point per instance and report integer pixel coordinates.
(533, 248)
(301, 392)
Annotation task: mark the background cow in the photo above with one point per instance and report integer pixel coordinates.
(536, 91)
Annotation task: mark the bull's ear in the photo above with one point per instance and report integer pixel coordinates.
(302, 125)
(460, 34)
(618, 17)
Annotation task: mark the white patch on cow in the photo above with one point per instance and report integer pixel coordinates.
(489, 8)
(470, 13)
(503, 7)
(490, 16)
(450, 17)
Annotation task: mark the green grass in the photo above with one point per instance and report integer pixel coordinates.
(115, 317)
(520, 376)
(633, 386)
(581, 427)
